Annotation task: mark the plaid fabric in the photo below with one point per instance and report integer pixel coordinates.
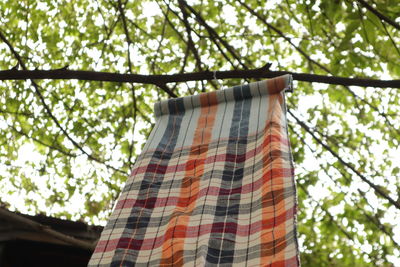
(213, 186)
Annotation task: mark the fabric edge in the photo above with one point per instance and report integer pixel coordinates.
(296, 203)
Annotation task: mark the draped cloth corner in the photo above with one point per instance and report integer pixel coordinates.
(214, 185)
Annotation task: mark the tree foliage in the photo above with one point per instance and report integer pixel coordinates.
(68, 146)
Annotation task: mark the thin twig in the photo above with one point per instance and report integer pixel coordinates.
(378, 190)
(379, 15)
(47, 108)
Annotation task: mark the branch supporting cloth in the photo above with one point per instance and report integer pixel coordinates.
(214, 185)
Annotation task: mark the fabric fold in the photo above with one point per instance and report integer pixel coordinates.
(179, 105)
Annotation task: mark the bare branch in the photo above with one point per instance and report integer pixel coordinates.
(263, 20)
(47, 108)
(194, 76)
(214, 34)
(378, 14)
(190, 42)
(348, 165)
(331, 218)
(374, 219)
(128, 39)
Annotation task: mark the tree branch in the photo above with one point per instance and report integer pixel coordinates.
(376, 188)
(331, 218)
(302, 52)
(190, 42)
(47, 107)
(213, 33)
(278, 31)
(128, 39)
(378, 14)
(375, 220)
(52, 146)
(187, 45)
(194, 76)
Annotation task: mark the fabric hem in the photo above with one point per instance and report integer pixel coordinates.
(182, 104)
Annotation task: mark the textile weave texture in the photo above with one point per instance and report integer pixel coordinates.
(214, 185)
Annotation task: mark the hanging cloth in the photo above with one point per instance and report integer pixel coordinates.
(214, 185)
